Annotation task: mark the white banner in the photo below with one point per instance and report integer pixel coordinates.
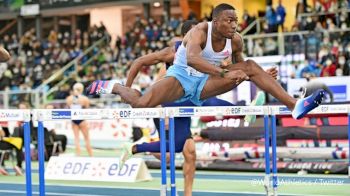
(14, 115)
(103, 133)
(96, 169)
(338, 85)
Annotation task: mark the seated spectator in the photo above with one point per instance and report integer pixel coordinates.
(11, 143)
(343, 66)
(53, 136)
(329, 68)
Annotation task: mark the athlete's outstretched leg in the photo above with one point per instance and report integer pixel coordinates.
(257, 75)
(166, 90)
(217, 85)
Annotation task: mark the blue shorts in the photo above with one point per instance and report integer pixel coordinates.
(191, 85)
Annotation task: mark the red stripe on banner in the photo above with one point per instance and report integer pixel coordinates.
(106, 84)
(257, 154)
(93, 87)
(343, 155)
(99, 86)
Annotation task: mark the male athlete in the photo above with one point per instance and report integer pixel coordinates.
(183, 140)
(196, 74)
(4, 55)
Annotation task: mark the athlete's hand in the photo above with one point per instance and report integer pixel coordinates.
(272, 72)
(237, 76)
(226, 62)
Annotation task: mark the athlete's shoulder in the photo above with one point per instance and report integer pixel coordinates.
(69, 98)
(237, 37)
(202, 26)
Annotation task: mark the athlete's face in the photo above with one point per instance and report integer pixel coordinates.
(227, 23)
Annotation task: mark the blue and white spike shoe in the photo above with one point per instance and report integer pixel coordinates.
(304, 105)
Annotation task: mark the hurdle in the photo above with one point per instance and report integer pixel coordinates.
(173, 112)
(42, 115)
(22, 116)
(270, 114)
(275, 111)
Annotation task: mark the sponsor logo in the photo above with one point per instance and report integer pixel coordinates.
(306, 103)
(284, 110)
(252, 110)
(122, 114)
(186, 111)
(145, 113)
(89, 114)
(233, 111)
(211, 111)
(339, 92)
(85, 113)
(61, 114)
(324, 108)
(8, 115)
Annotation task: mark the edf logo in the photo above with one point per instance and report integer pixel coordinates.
(125, 114)
(235, 110)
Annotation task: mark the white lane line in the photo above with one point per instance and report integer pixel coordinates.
(48, 193)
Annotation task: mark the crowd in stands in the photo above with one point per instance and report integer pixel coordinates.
(33, 60)
(321, 32)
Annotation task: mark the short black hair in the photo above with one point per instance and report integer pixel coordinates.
(187, 25)
(220, 8)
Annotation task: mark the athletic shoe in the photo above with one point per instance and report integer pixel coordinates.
(305, 105)
(3, 172)
(126, 154)
(258, 101)
(100, 87)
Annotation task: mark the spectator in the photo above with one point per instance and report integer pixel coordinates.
(271, 18)
(53, 136)
(281, 14)
(329, 68)
(10, 143)
(79, 101)
(343, 66)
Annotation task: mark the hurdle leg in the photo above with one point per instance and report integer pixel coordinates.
(163, 188)
(349, 144)
(28, 158)
(41, 158)
(274, 155)
(267, 154)
(172, 155)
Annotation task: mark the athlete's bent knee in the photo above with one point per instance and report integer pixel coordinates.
(251, 66)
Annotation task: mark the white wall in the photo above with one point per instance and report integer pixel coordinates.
(111, 17)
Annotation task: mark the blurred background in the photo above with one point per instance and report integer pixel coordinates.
(56, 43)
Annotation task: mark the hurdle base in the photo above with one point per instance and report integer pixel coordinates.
(267, 184)
(274, 193)
(163, 190)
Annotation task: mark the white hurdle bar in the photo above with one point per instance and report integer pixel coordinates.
(42, 115)
(172, 112)
(22, 116)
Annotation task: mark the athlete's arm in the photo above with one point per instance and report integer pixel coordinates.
(194, 40)
(4, 55)
(86, 102)
(237, 49)
(164, 55)
(69, 101)
(161, 73)
(237, 54)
